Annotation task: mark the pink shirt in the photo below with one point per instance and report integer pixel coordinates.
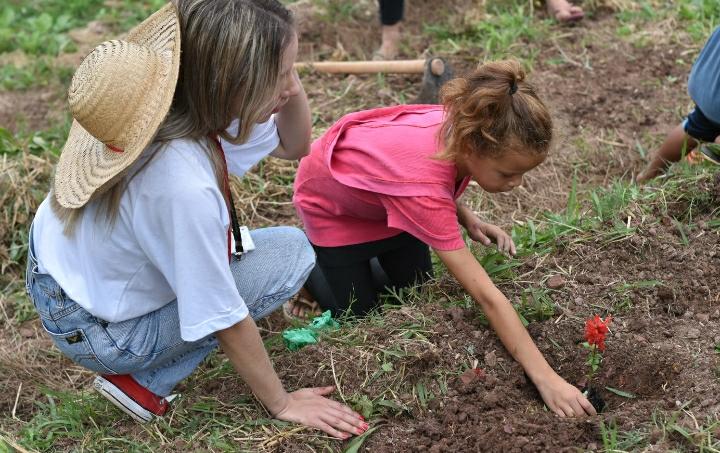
(373, 175)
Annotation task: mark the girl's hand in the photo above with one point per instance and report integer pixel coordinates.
(564, 399)
(310, 408)
(486, 233)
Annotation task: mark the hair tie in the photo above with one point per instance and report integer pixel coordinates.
(513, 87)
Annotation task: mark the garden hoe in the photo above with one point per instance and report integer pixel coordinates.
(436, 71)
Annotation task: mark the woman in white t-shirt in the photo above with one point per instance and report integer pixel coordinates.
(137, 266)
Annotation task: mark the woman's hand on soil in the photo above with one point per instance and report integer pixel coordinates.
(309, 407)
(564, 399)
(486, 233)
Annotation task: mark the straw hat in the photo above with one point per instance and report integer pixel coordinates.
(119, 96)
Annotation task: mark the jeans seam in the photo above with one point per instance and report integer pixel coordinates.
(264, 302)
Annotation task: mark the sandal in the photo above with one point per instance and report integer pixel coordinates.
(711, 152)
(310, 307)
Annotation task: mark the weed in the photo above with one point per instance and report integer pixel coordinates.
(624, 292)
(535, 305)
(616, 441)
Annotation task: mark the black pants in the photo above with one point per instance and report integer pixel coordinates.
(391, 11)
(354, 276)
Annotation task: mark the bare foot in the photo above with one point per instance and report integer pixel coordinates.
(563, 11)
(390, 43)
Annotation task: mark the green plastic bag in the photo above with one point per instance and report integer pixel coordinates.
(297, 338)
(324, 321)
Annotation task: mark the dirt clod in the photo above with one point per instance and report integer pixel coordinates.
(555, 282)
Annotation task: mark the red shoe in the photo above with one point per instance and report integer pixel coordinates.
(130, 397)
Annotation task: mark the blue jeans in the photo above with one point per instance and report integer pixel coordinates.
(149, 347)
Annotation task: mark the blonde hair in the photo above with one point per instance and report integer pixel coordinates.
(229, 69)
(491, 110)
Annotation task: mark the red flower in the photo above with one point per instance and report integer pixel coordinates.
(595, 330)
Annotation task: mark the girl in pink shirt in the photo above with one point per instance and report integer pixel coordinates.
(382, 186)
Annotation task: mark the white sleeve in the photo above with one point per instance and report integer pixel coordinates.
(262, 141)
(183, 232)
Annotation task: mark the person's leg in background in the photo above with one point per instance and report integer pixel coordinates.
(391, 14)
(563, 11)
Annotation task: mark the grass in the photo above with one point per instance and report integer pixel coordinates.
(505, 30)
(39, 31)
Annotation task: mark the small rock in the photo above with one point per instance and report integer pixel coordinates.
(693, 333)
(652, 231)
(457, 314)
(521, 441)
(508, 428)
(462, 416)
(592, 446)
(469, 376)
(491, 359)
(555, 282)
(716, 314)
(490, 400)
(703, 317)
(26, 333)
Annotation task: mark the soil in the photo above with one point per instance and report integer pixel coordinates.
(31, 110)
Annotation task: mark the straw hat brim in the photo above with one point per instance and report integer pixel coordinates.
(86, 164)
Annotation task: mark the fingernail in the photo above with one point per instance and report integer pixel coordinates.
(359, 431)
(365, 426)
(362, 418)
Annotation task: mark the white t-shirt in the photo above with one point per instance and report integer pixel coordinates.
(169, 240)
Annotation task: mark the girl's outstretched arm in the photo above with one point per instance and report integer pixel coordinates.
(294, 124)
(561, 397)
(244, 347)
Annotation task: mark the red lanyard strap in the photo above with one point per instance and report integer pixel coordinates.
(239, 250)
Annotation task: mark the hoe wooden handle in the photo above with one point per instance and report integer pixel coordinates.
(370, 67)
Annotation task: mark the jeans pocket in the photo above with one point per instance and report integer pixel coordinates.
(75, 346)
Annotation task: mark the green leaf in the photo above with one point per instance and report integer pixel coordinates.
(524, 321)
(622, 393)
(363, 404)
(391, 404)
(354, 446)
(387, 367)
